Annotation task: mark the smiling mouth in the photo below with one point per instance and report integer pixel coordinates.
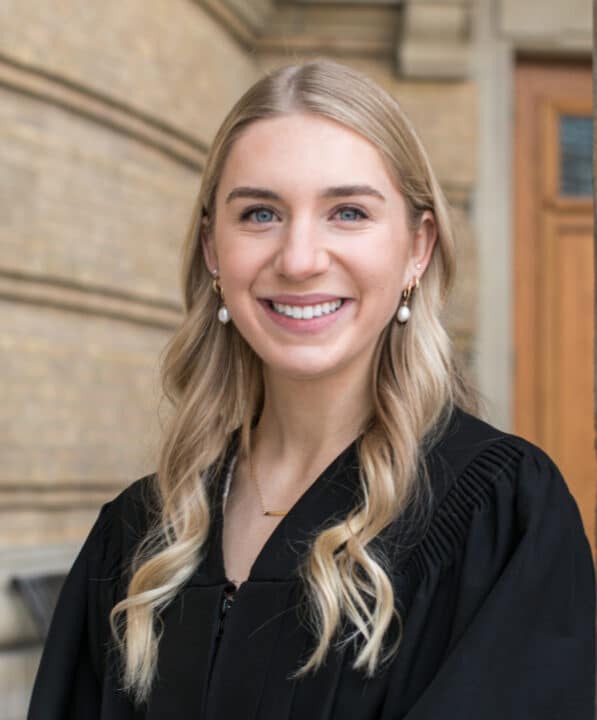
(306, 312)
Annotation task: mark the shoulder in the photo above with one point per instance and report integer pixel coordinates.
(121, 525)
(470, 454)
(137, 505)
(492, 484)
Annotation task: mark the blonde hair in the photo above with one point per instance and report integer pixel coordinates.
(214, 381)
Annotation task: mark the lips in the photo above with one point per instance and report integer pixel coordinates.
(306, 318)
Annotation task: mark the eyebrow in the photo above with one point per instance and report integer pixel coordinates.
(331, 192)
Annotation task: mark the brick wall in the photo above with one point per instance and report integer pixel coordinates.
(106, 110)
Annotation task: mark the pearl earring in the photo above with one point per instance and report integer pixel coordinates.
(223, 314)
(404, 312)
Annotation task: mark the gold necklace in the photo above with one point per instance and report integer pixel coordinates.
(270, 513)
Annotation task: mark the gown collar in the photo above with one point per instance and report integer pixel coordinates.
(325, 502)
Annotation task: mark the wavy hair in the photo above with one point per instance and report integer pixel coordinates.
(213, 380)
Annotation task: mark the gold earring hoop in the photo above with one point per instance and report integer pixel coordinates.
(223, 313)
(404, 311)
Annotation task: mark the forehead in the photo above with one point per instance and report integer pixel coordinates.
(301, 151)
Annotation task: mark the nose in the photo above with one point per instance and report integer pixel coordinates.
(301, 253)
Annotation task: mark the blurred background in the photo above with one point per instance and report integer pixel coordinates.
(106, 112)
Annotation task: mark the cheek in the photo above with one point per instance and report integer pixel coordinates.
(238, 266)
(384, 272)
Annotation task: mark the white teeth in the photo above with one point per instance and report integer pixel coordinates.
(306, 312)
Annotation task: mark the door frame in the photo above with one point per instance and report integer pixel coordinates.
(528, 187)
(497, 48)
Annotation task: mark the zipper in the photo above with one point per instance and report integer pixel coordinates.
(227, 602)
(225, 605)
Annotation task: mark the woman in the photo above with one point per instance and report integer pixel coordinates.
(330, 534)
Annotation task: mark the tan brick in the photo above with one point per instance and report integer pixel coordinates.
(82, 202)
(166, 57)
(80, 395)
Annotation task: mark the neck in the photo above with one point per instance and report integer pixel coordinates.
(306, 423)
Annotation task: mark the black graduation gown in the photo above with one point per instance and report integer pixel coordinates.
(497, 598)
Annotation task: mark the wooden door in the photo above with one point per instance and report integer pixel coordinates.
(554, 272)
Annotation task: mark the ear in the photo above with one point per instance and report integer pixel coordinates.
(424, 239)
(208, 246)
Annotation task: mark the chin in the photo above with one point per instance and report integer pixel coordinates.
(294, 372)
(308, 369)
(312, 368)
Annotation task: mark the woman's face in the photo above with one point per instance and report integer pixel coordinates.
(312, 244)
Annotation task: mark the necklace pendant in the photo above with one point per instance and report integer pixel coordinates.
(274, 513)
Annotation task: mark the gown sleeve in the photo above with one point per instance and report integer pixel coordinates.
(67, 684)
(522, 642)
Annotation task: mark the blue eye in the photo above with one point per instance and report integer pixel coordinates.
(258, 215)
(350, 214)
